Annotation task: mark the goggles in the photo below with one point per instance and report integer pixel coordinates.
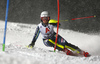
(45, 18)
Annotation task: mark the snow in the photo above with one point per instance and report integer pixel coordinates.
(20, 35)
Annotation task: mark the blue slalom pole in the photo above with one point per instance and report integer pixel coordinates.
(6, 17)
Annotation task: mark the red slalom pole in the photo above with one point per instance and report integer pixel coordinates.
(57, 25)
(83, 17)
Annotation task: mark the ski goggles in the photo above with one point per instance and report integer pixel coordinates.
(45, 18)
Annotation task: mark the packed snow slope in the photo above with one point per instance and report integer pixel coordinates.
(19, 35)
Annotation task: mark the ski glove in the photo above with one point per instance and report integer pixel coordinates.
(31, 45)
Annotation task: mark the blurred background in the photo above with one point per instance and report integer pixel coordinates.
(28, 11)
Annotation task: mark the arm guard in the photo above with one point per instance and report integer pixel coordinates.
(54, 22)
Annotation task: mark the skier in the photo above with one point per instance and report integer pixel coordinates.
(45, 27)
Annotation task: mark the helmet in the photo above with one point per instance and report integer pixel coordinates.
(45, 15)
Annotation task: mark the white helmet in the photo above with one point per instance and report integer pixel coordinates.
(44, 14)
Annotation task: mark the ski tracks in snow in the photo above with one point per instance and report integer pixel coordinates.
(45, 55)
(20, 35)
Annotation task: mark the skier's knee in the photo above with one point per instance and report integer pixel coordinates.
(47, 43)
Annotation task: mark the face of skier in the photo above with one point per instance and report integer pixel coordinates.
(45, 20)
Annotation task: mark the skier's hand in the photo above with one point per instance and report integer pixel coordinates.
(31, 45)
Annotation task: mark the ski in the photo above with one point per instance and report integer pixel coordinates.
(66, 51)
(74, 53)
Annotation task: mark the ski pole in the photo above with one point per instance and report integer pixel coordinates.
(84, 17)
(6, 17)
(55, 21)
(79, 18)
(63, 20)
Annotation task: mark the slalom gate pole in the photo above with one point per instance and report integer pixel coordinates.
(57, 25)
(6, 17)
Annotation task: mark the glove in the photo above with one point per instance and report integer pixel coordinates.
(31, 45)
